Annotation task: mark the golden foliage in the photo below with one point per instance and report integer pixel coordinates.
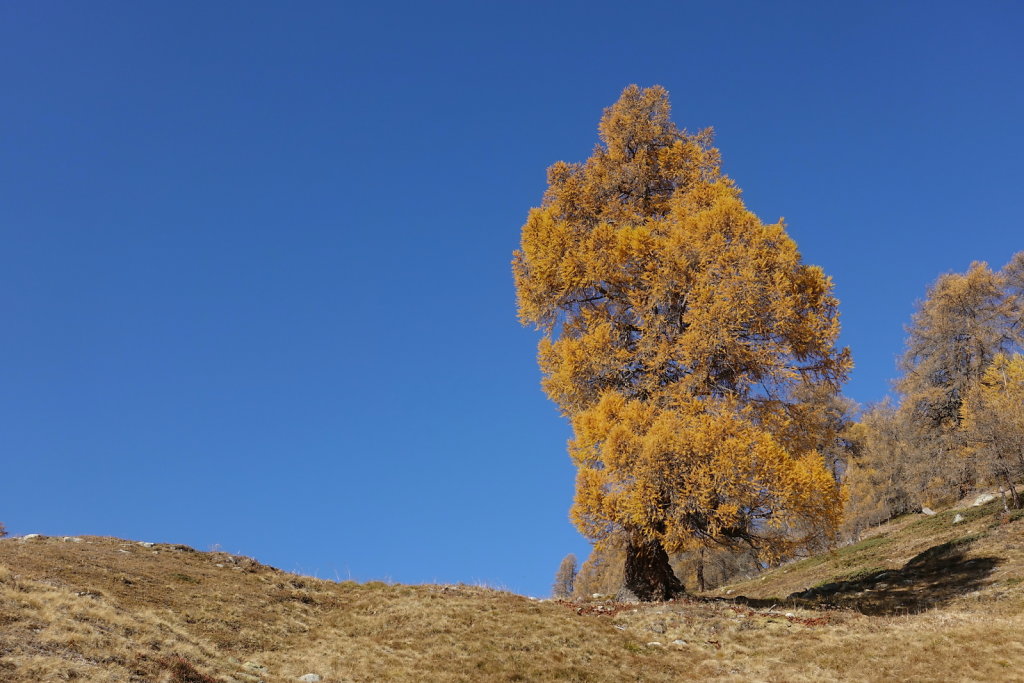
(694, 473)
(965, 320)
(684, 338)
(961, 327)
(993, 420)
(880, 479)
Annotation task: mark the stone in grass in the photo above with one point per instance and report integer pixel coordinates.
(959, 518)
(310, 678)
(679, 642)
(654, 643)
(983, 498)
(927, 511)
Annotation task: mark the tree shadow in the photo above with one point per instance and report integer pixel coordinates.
(932, 578)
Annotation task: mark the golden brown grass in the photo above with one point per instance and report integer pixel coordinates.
(111, 610)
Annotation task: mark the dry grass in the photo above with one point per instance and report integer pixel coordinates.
(111, 610)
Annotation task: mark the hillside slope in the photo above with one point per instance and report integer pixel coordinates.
(904, 603)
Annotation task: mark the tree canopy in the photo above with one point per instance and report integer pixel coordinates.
(689, 345)
(965, 321)
(958, 425)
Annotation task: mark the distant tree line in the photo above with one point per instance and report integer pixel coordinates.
(957, 423)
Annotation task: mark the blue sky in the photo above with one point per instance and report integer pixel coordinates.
(255, 269)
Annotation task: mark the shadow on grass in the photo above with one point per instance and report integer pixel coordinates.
(929, 580)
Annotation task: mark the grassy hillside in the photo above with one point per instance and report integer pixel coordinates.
(907, 602)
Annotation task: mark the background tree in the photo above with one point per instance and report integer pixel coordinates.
(602, 572)
(880, 480)
(965, 321)
(993, 418)
(688, 345)
(565, 577)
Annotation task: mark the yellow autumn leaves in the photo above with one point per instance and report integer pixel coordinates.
(695, 474)
(691, 348)
(993, 422)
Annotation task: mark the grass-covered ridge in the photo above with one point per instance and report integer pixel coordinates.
(899, 604)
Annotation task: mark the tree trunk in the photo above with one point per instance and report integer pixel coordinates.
(700, 571)
(1009, 488)
(648, 574)
(1013, 493)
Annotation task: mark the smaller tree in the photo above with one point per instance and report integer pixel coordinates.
(993, 418)
(957, 331)
(565, 578)
(3, 530)
(603, 571)
(880, 480)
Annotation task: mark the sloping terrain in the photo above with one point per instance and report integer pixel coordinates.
(912, 564)
(920, 599)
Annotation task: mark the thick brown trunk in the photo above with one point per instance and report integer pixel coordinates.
(649, 576)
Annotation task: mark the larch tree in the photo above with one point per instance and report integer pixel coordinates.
(601, 572)
(993, 416)
(688, 345)
(565, 578)
(879, 478)
(963, 323)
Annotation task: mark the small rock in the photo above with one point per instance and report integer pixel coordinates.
(927, 511)
(728, 592)
(596, 596)
(146, 544)
(310, 678)
(983, 498)
(959, 518)
(654, 643)
(790, 614)
(679, 642)
(626, 595)
(219, 565)
(30, 537)
(71, 539)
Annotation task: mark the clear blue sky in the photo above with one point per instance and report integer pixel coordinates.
(255, 257)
